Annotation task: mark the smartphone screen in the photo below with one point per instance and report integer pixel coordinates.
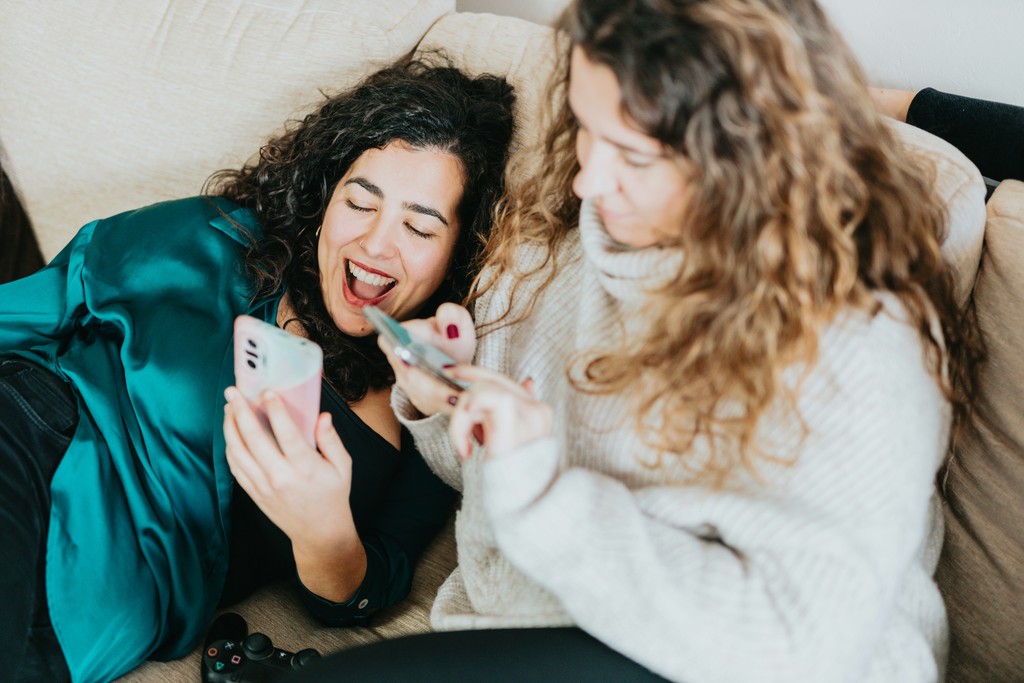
(267, 357)
(416, 353)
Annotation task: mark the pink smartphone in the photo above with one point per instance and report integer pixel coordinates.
(267, 357)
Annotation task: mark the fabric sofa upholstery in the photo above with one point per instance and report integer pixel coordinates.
(981, 572)
(114, 104)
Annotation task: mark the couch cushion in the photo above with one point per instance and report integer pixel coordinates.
(113, 104)
(962, 190)
(520, 50)
(981, 571)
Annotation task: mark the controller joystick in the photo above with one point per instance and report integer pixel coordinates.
(233, 655)
(257, 646)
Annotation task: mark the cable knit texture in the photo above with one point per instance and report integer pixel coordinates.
(819, 570)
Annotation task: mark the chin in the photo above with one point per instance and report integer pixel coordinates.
(352, 323)
(622, 233)
(633, 235)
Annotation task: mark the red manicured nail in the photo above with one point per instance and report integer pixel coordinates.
(453, 331)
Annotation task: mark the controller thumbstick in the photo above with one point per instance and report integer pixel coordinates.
(304, 657)
(257, 646)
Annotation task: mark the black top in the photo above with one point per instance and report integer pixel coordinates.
(398, 506)
(990, 134)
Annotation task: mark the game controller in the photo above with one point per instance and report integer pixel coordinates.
(233, 655)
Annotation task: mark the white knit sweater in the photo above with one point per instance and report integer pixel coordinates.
(824, 568)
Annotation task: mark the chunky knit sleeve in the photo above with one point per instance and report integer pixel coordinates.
(793, 576)
(431, 436)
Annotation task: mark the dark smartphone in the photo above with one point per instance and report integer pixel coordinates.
(416, 353)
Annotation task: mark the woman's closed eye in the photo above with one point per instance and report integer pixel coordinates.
(357, 207)
(638, 160)
(419, 233)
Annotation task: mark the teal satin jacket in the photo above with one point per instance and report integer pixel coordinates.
(136, 312)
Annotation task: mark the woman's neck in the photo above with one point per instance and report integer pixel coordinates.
(286, 319)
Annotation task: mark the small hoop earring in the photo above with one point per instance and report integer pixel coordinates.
(318, 229)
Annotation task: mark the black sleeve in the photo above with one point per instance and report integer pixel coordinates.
(415, 507)
(990, 134)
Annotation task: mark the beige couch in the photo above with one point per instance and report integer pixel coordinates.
(112, 104)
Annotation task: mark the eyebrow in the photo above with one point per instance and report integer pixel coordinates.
(634, 150)
(409, 206)
(614, 143)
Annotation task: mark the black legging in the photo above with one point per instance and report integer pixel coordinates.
(540, 655)
(990, 134)
(38, 415)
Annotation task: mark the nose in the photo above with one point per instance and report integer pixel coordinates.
(596, 176)
(381, 236)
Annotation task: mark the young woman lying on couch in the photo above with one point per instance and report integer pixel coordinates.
(711, 390)
(117, 451)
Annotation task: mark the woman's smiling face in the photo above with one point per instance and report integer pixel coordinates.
(389, 233)
(639, 188)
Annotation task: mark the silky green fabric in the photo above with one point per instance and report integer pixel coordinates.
(137, 313)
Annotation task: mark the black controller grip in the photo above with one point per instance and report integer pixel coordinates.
(227, 626)
(231, 654)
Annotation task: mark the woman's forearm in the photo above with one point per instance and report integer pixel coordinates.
(332, 570)
(892, 102)
(990, 134)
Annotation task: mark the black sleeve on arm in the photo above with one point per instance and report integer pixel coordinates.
(990, 134)
(415, 508)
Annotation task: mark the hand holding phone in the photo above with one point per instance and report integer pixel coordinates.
(416, 353)
(269, 358)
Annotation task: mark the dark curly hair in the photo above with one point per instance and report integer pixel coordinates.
(426, 106)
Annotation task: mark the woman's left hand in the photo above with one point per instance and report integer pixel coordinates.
(302, 491)
(498, 412)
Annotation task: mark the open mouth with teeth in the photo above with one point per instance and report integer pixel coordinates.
(364, 286)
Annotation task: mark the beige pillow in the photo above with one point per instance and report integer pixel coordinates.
(112, 104)
(981, 570)
(521, 51)
(961, 189)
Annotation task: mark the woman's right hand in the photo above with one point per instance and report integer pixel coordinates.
(451, 330)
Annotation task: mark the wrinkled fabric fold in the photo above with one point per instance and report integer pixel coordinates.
(136, 312)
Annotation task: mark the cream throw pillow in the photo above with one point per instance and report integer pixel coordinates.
(522, 51)
(112, 104)
(981, 570)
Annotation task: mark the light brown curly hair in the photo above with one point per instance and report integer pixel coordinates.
(803, 204)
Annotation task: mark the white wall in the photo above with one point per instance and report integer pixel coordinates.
(970, 47)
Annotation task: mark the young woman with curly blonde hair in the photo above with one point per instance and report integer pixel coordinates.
(718, 362)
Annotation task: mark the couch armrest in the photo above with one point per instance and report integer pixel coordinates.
(980, 567)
